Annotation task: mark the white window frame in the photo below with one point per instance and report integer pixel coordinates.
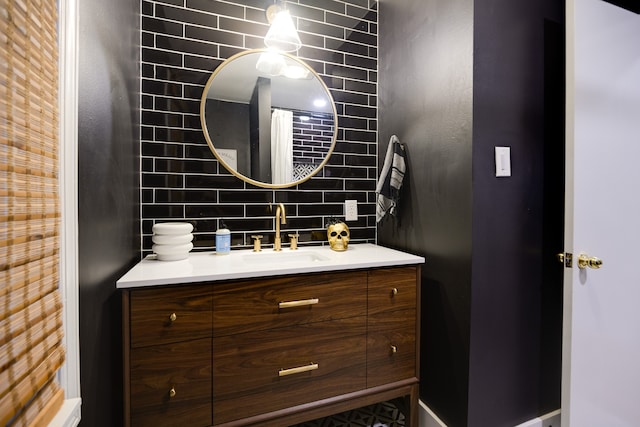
(69, 375)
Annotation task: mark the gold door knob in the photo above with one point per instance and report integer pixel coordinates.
(394, 291)
(173, 317)
(585, 261)
(172, 392)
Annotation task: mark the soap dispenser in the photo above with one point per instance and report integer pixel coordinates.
(223, 240)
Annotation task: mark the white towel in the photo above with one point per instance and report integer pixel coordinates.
(390, 181)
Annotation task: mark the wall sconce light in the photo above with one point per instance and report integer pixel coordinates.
(282, 34)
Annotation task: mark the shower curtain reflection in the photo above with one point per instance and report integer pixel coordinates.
(281, 146)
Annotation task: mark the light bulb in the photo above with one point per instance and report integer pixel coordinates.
(282, 34)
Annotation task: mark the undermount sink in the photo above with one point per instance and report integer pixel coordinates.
(284, 257)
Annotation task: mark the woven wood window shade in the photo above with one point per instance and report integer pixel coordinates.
(31, 329)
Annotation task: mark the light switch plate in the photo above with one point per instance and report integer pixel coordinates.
(503, 161)
(351, 210)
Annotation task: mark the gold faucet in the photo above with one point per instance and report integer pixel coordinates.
(277, 241)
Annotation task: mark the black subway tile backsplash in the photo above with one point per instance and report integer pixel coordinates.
(185, 196)
(347, 22)
(180, 135)
(157, 210)
(202, 63)
(147, 196)
(148, 39)
(243, 27)
(147, 102)
(175, 105)
(331, 5)
(157, 87)
(152, 180)
(147, 8)
(302, 11)
(161, 26)
(155, 56)
(224, 180)
(258, 196)
(158, 118)
(181, 75)
(217, 7)
(182, 42)
(185, 16)
(155, 149)
(175, 2)
(181, 45)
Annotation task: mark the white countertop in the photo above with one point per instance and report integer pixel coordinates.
(240, 264)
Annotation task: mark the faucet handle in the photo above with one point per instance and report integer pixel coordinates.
(293, 239)
(256, 242)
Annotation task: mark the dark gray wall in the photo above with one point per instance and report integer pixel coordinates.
(468, 77)
(235, 135)
(425, 97)
(108, 188)
(510, 263)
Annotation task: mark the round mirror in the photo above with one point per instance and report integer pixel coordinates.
(268, 118)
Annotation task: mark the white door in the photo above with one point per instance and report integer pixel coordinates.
(601, 343)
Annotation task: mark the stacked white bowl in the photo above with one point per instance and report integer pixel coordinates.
(172, 240)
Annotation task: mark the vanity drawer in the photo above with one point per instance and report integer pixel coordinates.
(165, 315)
(391, 354)
(247, 367)
(184, 368)
(392, 297)
(255, 305)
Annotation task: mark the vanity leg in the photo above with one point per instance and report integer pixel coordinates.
(413, 406)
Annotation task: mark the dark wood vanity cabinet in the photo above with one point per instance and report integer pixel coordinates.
(392, 322)
(271, 351)
(167, 356)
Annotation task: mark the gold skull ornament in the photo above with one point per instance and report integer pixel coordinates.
(338, 235)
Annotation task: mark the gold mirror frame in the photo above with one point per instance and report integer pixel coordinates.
(221, 160)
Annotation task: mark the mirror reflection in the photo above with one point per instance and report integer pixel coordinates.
(268, 118)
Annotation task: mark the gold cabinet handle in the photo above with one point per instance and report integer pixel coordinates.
(394, 349)
(173, 317)
(585, 261)
(298, 370)
(299, 303)
(172, 392)
(394, 291)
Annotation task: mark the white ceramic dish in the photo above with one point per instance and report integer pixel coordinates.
(167, 250)
(172, 228)
(172, 239)
(173, 257)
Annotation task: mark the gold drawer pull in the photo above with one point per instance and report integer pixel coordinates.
(394, 291)
(172, 392)
(300, 303)
(298, 370)
(394, 349)
(173, 317)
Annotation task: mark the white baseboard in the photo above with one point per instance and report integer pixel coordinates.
(69, 414)
(428, 419)
(552, 419)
